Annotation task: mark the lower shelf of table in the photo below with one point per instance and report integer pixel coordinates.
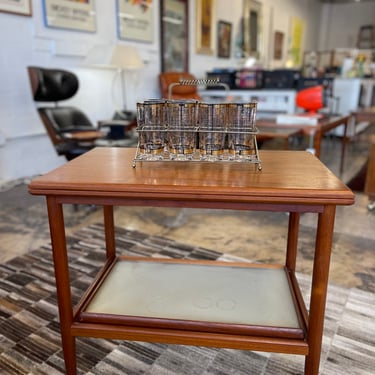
(217, 303)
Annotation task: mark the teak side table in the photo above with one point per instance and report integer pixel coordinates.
(231, 305)
(315, 132)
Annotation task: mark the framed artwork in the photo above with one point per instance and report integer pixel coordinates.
(205, 21)
(297, 27)
(70, 14)
(174, 23)
(252, 26)
(135, 20)
(278, 45)
(20, 7)
(224, 37)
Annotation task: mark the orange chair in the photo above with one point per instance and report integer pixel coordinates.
(177, 91)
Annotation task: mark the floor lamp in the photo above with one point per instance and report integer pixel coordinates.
(124, 58)
(127, 61)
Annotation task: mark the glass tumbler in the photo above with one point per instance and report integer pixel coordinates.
(241, 129)
(182, 123)
(212, 124)
(151, 129)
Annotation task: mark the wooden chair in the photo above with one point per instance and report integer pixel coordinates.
(170, 91)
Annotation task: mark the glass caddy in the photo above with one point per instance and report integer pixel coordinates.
(193, 131)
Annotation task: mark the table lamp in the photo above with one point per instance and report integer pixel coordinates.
(310, 99)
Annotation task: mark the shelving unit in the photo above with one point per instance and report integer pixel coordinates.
(231, 305)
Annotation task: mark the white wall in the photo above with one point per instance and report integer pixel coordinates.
(24, 148)
(340, 24)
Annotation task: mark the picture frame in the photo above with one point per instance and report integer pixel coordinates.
(70, 15)
(296, 40)
(135, 20)
(19, 7)
(252, 28)
(174, 29)
(278, 45)
(224, 39)
(205, 26)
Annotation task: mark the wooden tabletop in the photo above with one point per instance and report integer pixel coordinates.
(286, 177)
(325, 123)
(364, 114)
(368, 110)
(277, 132)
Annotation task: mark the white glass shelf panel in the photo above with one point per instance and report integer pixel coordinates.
(220, 294)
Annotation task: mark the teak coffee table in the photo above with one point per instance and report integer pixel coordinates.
(219, 304)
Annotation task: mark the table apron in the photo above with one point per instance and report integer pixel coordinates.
(185, 203)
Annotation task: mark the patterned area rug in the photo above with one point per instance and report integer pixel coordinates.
(29, 329)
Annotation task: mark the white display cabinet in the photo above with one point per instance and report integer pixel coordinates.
(270, 102)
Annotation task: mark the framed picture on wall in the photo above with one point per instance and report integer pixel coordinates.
(252, 26)
(20, 7)
(174, 21)
(205, 26)
(70, 14)
(135, 20)
(297, 29)
(278, 45)
(224, 37)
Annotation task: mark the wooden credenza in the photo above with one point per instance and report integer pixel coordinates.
(231, 305)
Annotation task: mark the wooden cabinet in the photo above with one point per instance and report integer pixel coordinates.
(231, 305)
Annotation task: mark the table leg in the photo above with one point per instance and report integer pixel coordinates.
(293, 231)
(319, 288)
(317, 142)
(370, 177)
(286, 143)
(343, 145)
(109, 230)
(64, 298)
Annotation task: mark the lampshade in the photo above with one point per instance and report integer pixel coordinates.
(125, 57)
